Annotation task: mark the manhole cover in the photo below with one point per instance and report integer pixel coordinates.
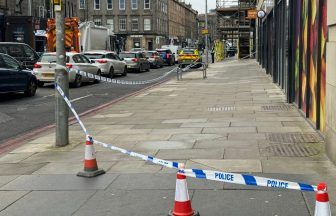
(221, 109)
(277, 108)
(291, 150)
(293, 137)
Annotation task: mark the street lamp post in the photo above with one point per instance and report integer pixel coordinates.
(206, 36)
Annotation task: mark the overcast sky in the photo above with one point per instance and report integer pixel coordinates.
(199, 5)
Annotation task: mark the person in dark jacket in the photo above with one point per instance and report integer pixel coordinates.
(213, 55)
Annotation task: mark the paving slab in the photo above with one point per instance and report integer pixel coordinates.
(220, 143)
(5, 179)
(159, 181)
(190, 154)
(10, 197)
(52, 156)
(7, 169)
(126, 203)
(229, 130)
(41, 203)
(157, 126)
(206, 125)
(247, 202)
(242, 153)
(230, 165)
(132, 166)
(164, 145)
(15, 157)
(184, 120)
(59, 182)
(176, 131)
(194, 137)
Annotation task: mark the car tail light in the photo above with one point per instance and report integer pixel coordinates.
(134, 60)
(168, 56)
(101, 61)
(69, 65)
(37, 66)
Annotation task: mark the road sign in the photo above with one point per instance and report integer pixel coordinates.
(252, 14)
(57, 4)
(205, 31)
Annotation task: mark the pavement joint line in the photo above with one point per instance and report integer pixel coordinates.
(80, 98)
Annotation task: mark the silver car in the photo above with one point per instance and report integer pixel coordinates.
(154, 59)
(109, 63)
(44, 69)
(136, 61)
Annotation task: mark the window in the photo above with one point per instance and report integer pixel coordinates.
(134, 4)
(85, 59)
(147, 4)
(97, 21)
(147, 24)
(29, 52)
(81, 4)
(122, 24)
(10, 63)
(121, 4)
(110, 24)
(77, 59)
(96, 4)
(109, 4)
(135, 24)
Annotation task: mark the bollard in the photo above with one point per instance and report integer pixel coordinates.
(204, 71)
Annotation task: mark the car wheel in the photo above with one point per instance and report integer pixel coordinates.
(40, 84)
(148, 68)
(140, 69)
(125, 72)
(111, 72)
(31, 88)
(78, 81)
(96, 80)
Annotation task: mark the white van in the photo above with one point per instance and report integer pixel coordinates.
(175, 50)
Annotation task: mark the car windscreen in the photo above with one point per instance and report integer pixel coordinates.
(127, 55)
(188, 52)
(94, 55)
(162, 51)
(150, 54)
(50, 58)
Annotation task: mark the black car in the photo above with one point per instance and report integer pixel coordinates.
(16, 78)
(167, 56)
(21, 52)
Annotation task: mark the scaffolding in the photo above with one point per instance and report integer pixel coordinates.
(234, 27)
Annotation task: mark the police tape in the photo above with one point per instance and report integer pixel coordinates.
(67, 101)
(165, 163)
(123, 82)
(243, 179)
(233, 178)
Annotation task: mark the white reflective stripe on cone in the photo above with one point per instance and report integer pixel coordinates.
(89, 152)
(322, 209)
(181, 193)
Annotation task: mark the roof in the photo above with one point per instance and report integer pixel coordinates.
(98, 52)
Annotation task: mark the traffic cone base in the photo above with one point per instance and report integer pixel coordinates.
(90, 162)
(90, 174)
(193, 213)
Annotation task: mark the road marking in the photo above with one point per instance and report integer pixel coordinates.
(80, 98)
(48, 95)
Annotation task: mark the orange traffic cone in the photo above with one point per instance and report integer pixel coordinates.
(322, 207)
(90, 163)
(182, 205)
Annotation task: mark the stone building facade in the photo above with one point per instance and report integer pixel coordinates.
(182, 23)
(135, 23)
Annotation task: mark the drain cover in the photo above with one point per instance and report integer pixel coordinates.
(221, 109)
(291, 150)
(293, 137)
(278, 108)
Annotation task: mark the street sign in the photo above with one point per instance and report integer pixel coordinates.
(252, 14)
(205, 31)
(261, 14)
(57, 4)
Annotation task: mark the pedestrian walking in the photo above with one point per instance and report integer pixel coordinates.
(213, 55)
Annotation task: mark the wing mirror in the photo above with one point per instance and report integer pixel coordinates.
(92, 61)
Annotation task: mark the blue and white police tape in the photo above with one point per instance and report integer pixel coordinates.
(59, 89)
(243, 179)
(123, 82)
(165, 163)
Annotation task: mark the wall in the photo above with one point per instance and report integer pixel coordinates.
(331, 83)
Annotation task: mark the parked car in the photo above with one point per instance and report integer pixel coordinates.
(21, 52)
(44, 69)
(189, 56)
(175, 50)
(109, 63)
(16, 78)
(167, 56)
(135, 61)
(154, 59)
(138, 50)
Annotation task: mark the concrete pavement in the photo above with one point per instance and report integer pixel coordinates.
(236, 121)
